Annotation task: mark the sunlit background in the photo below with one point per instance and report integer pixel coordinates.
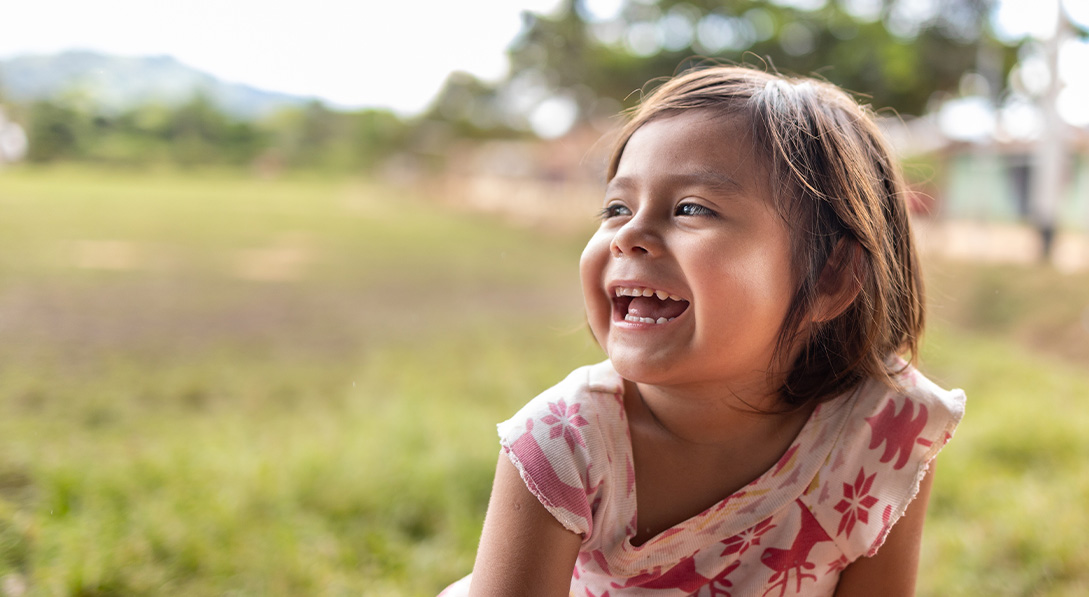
(271, 271)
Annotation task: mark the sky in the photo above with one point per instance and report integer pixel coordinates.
(393, 54)
(352, 53)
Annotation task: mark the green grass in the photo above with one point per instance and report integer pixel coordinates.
(1008, 515)
(218, 385)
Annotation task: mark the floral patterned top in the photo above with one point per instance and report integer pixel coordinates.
(832, 497)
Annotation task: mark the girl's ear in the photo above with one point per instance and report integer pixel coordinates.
(840, 281)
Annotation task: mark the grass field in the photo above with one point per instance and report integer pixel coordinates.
(218, 385)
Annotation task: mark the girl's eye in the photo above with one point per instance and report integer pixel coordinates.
(694, 209)
(613, 210)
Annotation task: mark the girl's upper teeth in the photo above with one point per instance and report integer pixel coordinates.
(661, 294)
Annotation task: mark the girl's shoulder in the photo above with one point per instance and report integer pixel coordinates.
(914, 417)
(596, 390)
(568, 441)
(885, 448)
(912, 383)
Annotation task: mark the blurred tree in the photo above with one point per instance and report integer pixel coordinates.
(313, 136)
(195, 133)
(471, 108)
(896, 52)
(376, 135)
(55, 132)
(320, 130)
(198, 133)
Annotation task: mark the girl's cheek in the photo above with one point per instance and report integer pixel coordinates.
(592, 262)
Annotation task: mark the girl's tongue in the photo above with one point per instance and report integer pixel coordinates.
(652, 307)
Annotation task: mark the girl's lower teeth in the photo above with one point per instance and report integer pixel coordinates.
(634, 319)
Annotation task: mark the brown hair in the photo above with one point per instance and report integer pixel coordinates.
(841, 192)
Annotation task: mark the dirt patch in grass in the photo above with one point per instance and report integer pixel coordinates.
(171, 315)
(1036, 306)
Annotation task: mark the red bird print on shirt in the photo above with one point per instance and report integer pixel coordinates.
(900, 430)
(683, 576)
(796, 558)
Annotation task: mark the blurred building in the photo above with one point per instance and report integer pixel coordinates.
(974, 173)
(994, 182)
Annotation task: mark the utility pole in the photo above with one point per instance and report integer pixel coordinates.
(1050, 155)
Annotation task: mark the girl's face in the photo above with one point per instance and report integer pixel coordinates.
(689, 219)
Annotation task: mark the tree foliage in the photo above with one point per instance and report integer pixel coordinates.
(887, 50)
(197, 133)
(56, 132)
(892, 53)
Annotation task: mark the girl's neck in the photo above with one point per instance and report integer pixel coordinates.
(715, 416)
(692, 450)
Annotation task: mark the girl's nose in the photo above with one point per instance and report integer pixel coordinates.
(635, 238)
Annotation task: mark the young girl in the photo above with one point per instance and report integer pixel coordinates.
(754, 431)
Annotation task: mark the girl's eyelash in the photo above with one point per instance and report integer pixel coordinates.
(610, 211)
(694, 209)
(684, 209)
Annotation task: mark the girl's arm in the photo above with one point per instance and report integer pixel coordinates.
(892, 570)
(523, 550)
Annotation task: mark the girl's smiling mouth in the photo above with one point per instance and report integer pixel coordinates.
(636, 304)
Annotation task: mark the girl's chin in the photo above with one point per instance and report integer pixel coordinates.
(640, 368)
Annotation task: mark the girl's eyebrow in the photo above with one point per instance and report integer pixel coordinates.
(713, 180)
(710, 179)
(618, 183)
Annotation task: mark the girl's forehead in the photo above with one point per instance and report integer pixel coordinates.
(699, 140)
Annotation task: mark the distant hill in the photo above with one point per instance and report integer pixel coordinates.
(114, 83)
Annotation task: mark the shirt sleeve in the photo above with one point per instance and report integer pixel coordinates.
(552, 442)
(885, 451)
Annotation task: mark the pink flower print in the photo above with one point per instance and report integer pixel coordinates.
(565, 421)
(856, 502)
(741, 542)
